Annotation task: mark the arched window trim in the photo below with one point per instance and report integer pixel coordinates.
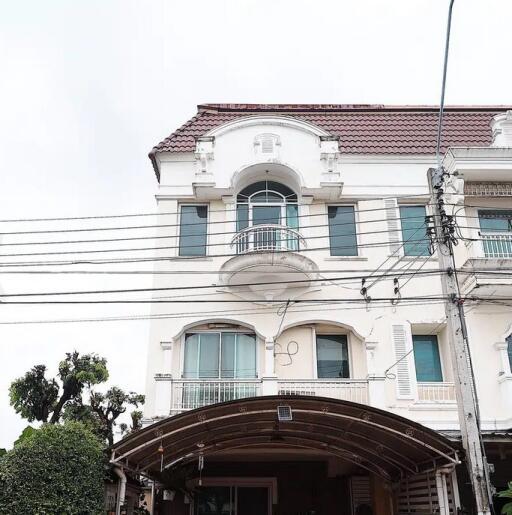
(266, 187)
(285, 206)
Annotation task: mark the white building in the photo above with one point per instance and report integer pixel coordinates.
(274, 217)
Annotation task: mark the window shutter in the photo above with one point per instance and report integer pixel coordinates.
(404, 369)
(393, 221)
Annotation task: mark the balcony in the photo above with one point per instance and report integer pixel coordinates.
(492, 253)
(346, 389)
(433, 393)
(268, 238)
(497, 245)
(188, 394)
(268, 253)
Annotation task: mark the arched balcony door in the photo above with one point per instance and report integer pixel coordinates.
(267, 218)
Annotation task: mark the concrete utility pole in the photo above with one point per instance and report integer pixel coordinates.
(459, 347)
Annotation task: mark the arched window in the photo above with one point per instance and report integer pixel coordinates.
(267, 203)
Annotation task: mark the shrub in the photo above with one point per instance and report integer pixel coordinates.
(59, 469)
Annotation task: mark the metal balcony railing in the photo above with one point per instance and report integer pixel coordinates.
(497, 244)
(343, 389)
(190, 394)
(267, 238)
(436, 392)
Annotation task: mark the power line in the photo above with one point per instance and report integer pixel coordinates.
(209, 234)
(164, 213)
(199, 287)
(184, 258)
(134, 227)
(236, 301)
(271, 237)
(223, 312)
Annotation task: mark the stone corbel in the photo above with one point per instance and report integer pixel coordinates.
(370, 357)
(329, 152)
(454, 189)
(204, 152)
(502, 348)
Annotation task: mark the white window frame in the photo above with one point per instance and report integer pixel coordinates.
(428, 212)
(207, 244)
(356, 225)
(349, 354)
(209, 331)
(441, 360)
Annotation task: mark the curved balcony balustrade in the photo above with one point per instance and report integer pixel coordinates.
(268, 238)
(267, 254)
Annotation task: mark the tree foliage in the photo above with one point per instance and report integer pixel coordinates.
(103, 410)
(35, 397)
(59, 469)
(507, 494)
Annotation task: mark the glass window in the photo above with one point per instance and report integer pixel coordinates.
(220, 355)
(495, 221)
(509, 349)
(332, 356)
(193, 230)
(342, 230)
(414, 229)
(426, 358)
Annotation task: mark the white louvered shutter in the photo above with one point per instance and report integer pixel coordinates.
(404, 370)
(394, 228)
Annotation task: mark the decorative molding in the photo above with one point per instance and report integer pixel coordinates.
(501, 126)
(204, 152)
(166, 345)
(277, 121)
(329, 152)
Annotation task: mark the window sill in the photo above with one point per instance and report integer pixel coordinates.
(430, 406)
(414, 258)
(346, 258)
(190, 258)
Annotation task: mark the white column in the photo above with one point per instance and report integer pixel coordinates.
(163, 381)
(376, 384)
(269, 380)
(230, 218)
(505, 375)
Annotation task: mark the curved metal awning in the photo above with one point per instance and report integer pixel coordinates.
(381, 442)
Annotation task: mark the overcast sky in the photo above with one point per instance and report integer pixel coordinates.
(88, 87)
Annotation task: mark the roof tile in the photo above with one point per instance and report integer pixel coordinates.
(362, 129)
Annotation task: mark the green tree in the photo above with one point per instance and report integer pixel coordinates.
(59, 469)
(507, 494)
(35, 397)
(103, 410)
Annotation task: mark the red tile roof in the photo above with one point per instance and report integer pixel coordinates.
(362, 128)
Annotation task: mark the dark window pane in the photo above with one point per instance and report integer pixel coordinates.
(242, 216)
(209, 355)
(267, 188)
(332, 356)
(342, 231)
(193, 227)
(414, 231)
(426, 358)
(214, 500)
(190, 369)
(509, 349)
(495, 221)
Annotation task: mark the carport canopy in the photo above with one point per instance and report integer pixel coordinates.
(385, 444)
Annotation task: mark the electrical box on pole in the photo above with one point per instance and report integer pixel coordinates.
(459, 347)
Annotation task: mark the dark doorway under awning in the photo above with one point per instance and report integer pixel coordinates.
(384, 444)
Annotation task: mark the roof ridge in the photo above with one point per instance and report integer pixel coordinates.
(237, 107)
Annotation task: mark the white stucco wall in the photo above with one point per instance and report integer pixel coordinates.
(363, 182)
